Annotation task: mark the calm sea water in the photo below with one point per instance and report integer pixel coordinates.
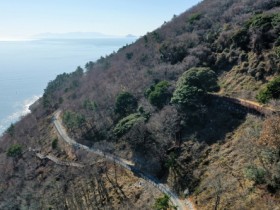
(27, 66)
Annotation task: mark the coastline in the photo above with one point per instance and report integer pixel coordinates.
(28, 65)
(21, 110)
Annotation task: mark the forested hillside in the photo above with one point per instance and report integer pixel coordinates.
(150, 103)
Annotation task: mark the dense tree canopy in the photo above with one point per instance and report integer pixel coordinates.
(193, 85)
(126, 104)
(159, 94)
(270, 91)
(14, 150)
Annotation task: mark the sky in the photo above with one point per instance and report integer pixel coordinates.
(20, 19)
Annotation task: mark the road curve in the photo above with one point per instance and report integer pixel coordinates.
(57, 161)
(180, 204)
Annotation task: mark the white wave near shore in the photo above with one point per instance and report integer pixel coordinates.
(21, 109)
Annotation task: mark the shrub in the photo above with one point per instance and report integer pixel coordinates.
(146, 39)
(125, 104)
(173, 53)
(11, 130)
(157, 37)
(89, 65)
(171, 161)
(72, 119)
(194, 17)
(263, 96)
(255, 174)
(267, 5)
(79, 72)
(126, 123)
(187, 96)
(50, 99)
(56, 83)
(162, 203)
(193, 85)
(270, 91)
(54, 143)
(276, 20)
(261, 22)
(241, 38)
(14, 150)
(89, 105)
(129, 55)
(159, 94)
(277, 51)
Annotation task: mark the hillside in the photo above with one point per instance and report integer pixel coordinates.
(149, 103)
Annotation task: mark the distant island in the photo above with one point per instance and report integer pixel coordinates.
(79, 35)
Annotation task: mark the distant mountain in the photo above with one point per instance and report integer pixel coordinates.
(77, 35)
(131, 36)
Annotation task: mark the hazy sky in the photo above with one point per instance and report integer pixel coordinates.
(23, 18)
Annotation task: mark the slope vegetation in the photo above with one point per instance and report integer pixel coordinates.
(150, 103)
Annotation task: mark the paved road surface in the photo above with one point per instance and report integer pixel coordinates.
(57, 161)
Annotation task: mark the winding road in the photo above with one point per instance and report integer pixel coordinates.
(180, 204)
(57, 161)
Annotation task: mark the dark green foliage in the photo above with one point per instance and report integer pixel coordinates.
(61, 79)
(75, 84)
(187, 96)
(193, 85)
(143, 58)
(194, 17)
(264, 22)
(263, 96)
(89, 65)
(277, 51)
(126, 103)
(171, 160)
(56, 83)
(14, 150)
(73, 120)
(267, 5)
(47, 101)
(129, 55)
(255, 174)
(261, 22)
(49, 97)
(54, 143)
(203, 78)
(241, 38)
(159, 94)
(78, 72)
(89, 105)
(271, 91)
(141, 110)
(258, 33)
(146, 39)
(126, 123)
(162, 203)
(276, 21)
(156, 37)
(173, 53)
(11, 130)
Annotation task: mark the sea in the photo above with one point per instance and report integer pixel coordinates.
(27, 66)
